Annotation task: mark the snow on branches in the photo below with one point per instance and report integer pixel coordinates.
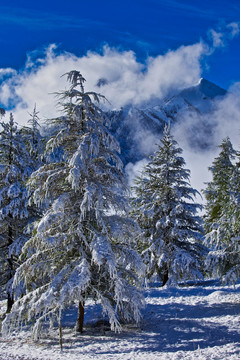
(82, 247)
(165, 209)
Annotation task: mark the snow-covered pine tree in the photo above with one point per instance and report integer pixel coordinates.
(165, 209)
(34, 141)
(83, 245)
(223, 216)
(34, 138)
(217, 191)
(15, 169)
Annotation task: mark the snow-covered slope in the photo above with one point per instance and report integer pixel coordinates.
(199, 98)
(203, 95)
(137, 127)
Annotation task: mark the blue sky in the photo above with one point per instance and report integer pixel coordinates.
(148, 27)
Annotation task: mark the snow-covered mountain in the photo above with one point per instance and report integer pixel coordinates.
(136, 128)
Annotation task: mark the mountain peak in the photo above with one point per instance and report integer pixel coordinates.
(202, 95)
(210, 89)
(135, 127)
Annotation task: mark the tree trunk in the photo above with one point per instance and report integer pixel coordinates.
(10, 298)
(60, 335)
(80, 318)
(10, 302)
(165, 277)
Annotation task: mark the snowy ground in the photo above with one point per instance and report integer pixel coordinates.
(195, 322)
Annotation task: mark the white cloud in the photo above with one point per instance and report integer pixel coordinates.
(217, 38)
(128, 81)
(221, 37)
(214, 127)
(135, 170)
(7, 72)
(227, 118)
(234, 29)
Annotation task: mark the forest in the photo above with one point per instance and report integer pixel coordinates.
(71, 229)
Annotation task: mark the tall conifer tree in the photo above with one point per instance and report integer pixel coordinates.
(165, 209)
(223, 216)
(82, 247)
(34, 138)
(16, 167)
(217, 191)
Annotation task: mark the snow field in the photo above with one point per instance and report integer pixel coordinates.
(195, 322)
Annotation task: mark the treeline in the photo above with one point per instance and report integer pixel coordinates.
(70, 229)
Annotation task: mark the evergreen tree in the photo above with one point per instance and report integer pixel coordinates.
(165, 209)
(15, 169)
(82, 246)
(223, 216)
(217, 191)
(35, 140)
